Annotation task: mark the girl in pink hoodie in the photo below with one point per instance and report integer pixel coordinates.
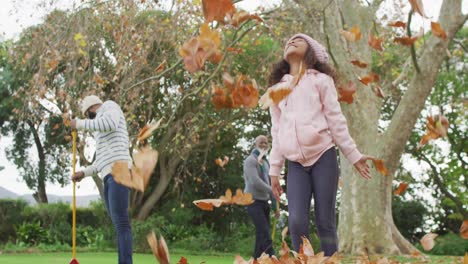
(306, 126)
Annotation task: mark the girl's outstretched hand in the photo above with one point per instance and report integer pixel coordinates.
(362, 167)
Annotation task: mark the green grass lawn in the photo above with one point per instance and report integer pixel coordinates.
(111, 258)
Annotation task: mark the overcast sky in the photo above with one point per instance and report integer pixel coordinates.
(16, 15)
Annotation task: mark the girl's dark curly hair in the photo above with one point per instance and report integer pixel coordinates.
(281, 68)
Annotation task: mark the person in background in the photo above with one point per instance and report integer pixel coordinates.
(257, 182)
(108, 123)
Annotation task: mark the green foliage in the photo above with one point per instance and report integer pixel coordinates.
(449, 244)
(141, 229)
(409, 217)
(10, 214)
(31, 234)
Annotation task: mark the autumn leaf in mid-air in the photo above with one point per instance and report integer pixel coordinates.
(159, 248)
(138, 177)
(306, 248)
(147, 130)
(427, 241)
(378, 91)
(418, 7)
(464, 229)
(398, 24)
(436, 127)
(401, 188)
(375, 43)
(346, 92)
(354, 34)
(221, 98)
(369, 78)
(222, 162)
(199, 49)
(208, 204)
(245, 93)
(359, 63)
(379, 166)
(182, 260)
(216, 10)
(239, 198)
(241, 16)
(406, 41)
(438, 31)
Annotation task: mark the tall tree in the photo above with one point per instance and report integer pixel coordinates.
(365, 213)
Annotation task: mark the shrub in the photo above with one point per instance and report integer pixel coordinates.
(140, 230)
(450, 244)
(32, 234)
(10, 214)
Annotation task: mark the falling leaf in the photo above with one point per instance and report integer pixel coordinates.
(221, 99)
(222, 162)
(199, 49)
(438, 31)
(56, 126)
(436, 127)
(378, 91)
(406, 41)
(182, 260)
(398, 24)
(369, 78)
(161, 67)
(379, 166)
(307, 247)
(375, 43)
(160, 250)
(354, 34)
(227, 197)
(241, 260)
(245, 94)
(241, 198)
(427, 241)
(401, 188)
(240, 17)
(208, 204)
(464, 229)
(147, 130)
(216, 10)
(228, 81)
(346, 92)
(52, 65)
(235, 50)
(359, 63)
(418, 7)
(138, 177)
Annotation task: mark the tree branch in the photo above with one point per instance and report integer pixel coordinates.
(413, 101)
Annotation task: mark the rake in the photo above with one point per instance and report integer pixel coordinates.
(74, 261)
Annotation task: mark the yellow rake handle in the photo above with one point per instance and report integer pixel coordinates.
(74, 136)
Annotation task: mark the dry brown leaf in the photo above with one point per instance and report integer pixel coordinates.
(160, 250)
(436, 127)
(346, 92)
(369, 78)
(401, 188)
(242, 198)
(427, 241)
(464, 229)
(217, 9)
(398, 24)
(241, 260)
(418, 7)
(278, 95)
(380, 167)
(182, 260)
(145, 161)
(194, 57)
(241, 16)
(227, 197)
(147, 130)
(208, 204)
(161, 67)
(307, 247)
(222, 162)
(378, 91)
(354, 34)
(406, 41)
(375, 43)
(359, 63)
(438, 31)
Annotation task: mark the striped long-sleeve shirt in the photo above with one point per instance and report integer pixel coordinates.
(111, 135)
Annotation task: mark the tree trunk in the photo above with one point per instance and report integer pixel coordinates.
(40, 195)
(167, 168)
(365, 220)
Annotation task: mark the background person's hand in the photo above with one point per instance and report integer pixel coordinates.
(73, 123)
(362, 167)
(277, 213)
(78, 176)
(276, 187)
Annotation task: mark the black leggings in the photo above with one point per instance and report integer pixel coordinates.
(321, 181)
(259, 212)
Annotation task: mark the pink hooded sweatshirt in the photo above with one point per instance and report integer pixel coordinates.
(308, 122)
